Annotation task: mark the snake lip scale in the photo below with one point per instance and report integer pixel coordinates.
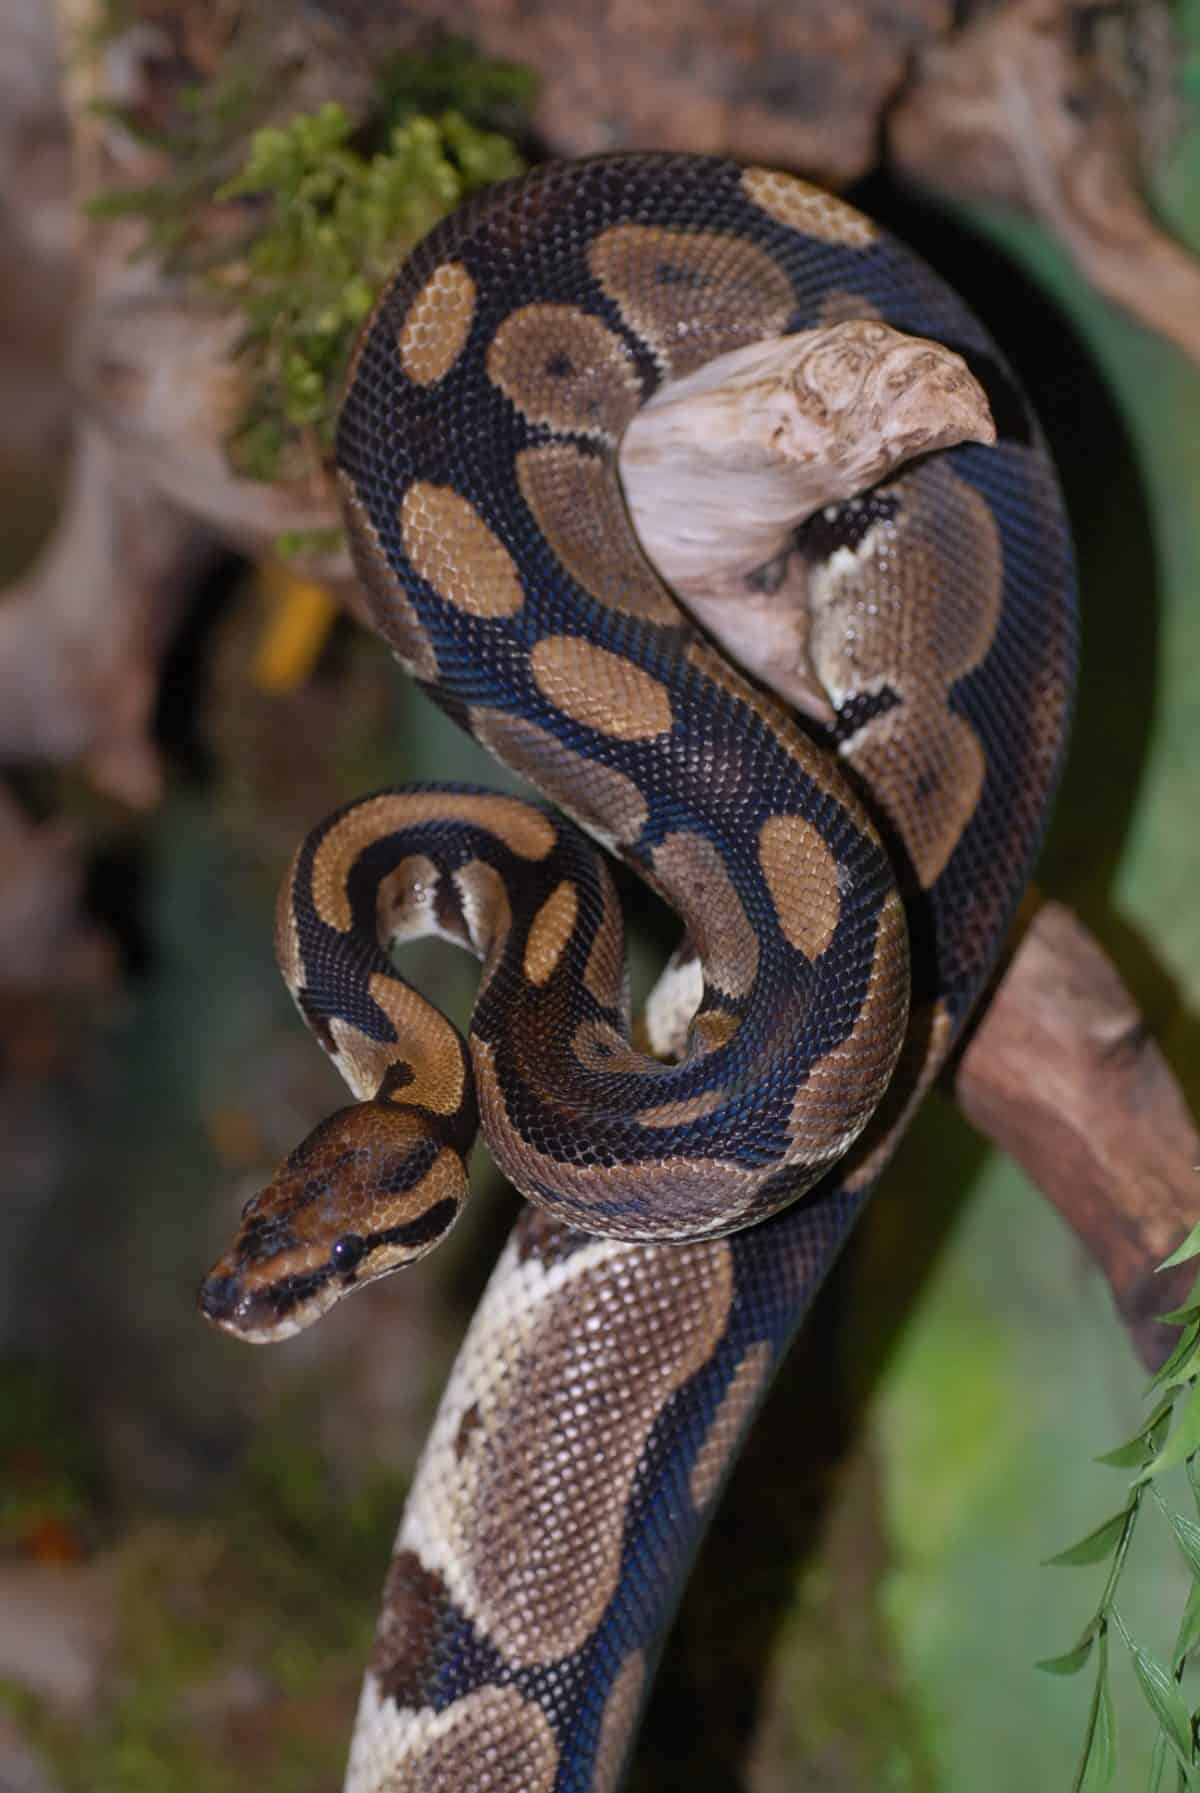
(844, 886)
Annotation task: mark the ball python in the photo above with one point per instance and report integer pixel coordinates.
(844, 888)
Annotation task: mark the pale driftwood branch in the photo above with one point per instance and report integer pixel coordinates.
(720, 468)
(1011, 108)
(1062, 1073)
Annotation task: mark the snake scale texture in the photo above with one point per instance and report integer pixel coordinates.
(844, 890)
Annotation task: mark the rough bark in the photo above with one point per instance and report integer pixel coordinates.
(1061, 1072)
(1025, 106)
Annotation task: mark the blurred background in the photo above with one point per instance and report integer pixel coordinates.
(193, 1533)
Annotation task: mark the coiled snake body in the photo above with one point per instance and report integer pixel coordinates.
(611, 1370)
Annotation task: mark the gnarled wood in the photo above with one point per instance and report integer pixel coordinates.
(1061, 1072)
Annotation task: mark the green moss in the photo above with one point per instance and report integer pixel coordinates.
(335, 224)
(317, 214)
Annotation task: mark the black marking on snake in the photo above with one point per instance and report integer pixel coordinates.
(395, 1079)
(430, 1225)
(318, 1018)
(448, 909)
(416, 1163)
(844, 525)
(538, 1235)
(857, 711)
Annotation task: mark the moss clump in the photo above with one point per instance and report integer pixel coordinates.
(335, 222)
(299, 225)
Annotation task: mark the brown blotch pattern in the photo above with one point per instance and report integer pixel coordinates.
(414, 1599)
(437, 324)
(916, 609)
(712, 1029)
(444, 1181)
(566, 1411)
(430, 1044)
(523, 829)
(922, 1057)
(456, 553)
(809, 209)
(677, 1114)
(728, 1423)
(539, 1236)
(604, 973)
(802, 876)
(561, 366)
(391, 608)
(599, 797)
(692, 295)
(576, 502)
(491, 1738)
(549, 932)
(600, 690)
(616, 1723)
(946, 765)
(845, 1086)
(696, 881)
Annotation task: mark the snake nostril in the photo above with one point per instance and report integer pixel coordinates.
(218, 1297)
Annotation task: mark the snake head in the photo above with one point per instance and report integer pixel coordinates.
(370, 1190)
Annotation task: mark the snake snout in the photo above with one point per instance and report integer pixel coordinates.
(218, 1298)
(373, 1188)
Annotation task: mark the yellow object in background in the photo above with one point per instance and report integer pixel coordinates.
(300, 615)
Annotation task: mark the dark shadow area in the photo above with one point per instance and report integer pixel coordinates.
(178, 726)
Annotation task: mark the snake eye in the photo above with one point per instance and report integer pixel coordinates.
(347, 1252)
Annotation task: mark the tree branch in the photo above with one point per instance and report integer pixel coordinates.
(1061, 1072)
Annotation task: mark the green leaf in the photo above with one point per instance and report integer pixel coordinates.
(1070, 1662)
(1183, 1440)
(1190, 1248)
(1098, 1544)
(1187, 1309)
(1143, 1444)
(1158, 1761)
(1189, 1625)
(1100, 1745)
(1187, 1533)
(1173, 1369)
(1102, 1756)
(1165, 1700)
